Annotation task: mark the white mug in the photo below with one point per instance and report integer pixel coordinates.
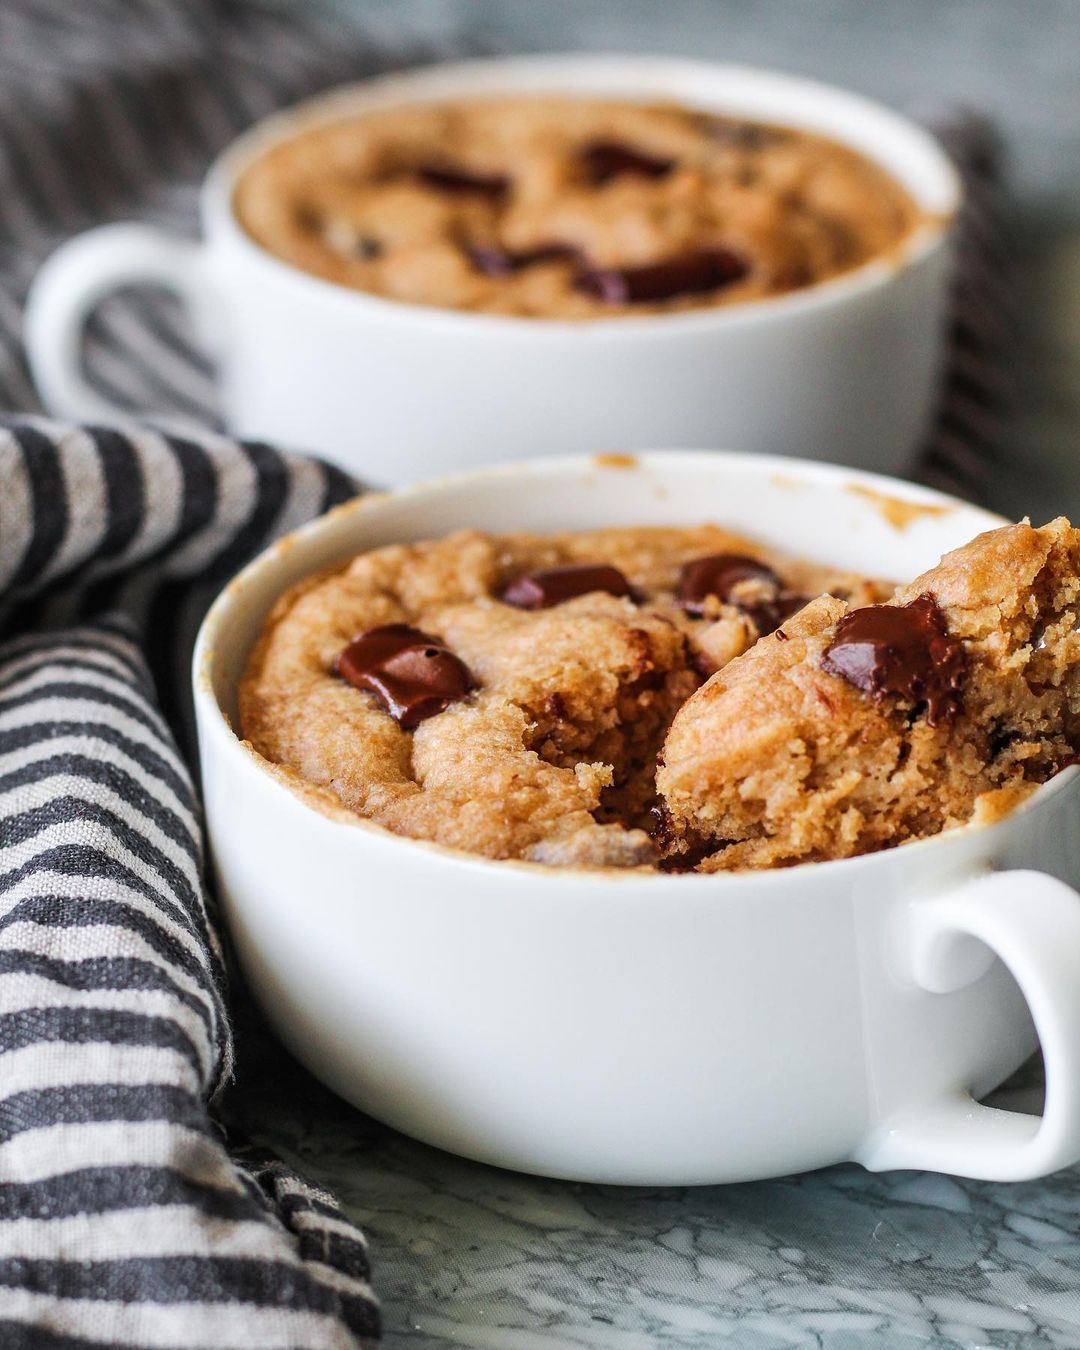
(647, 1028)
(846, 369)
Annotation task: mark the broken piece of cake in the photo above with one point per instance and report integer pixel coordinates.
(848, 731)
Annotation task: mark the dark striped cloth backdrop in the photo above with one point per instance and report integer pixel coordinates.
(125, 1220)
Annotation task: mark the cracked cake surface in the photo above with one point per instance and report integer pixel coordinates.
(538, 700)
(679, 698)
(843, 733)
(569, 208)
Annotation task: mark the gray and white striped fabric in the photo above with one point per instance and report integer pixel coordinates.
(125, 1218)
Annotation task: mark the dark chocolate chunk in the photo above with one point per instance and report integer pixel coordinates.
(445, 178)
(542, 590)
(495, 261)
(413, 676)
(604, 160)
(768, 615)
(678, 852)
(904, 650)
(718, 574)
(366, 247)
(688, 274)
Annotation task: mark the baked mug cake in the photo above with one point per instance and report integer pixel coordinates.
(657, 1022)
(674, 698)
(430, 270)
(570, 208)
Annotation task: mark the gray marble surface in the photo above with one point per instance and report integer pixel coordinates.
(467, 1255)
(470, 1256)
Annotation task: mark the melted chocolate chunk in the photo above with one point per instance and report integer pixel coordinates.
(542, 590)
(903, 650)
(413, 676)
(494, 261)
(718, 574)
(770, 614)
(677, 853)
(444, 178)
(605, 160)
(688, 274)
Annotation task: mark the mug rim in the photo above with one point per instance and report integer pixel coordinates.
(218, 722)
(407, 86)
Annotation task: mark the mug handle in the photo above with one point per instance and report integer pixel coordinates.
(1031, 921)
(77, 277)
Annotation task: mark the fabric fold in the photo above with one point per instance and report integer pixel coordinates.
(123, 1218)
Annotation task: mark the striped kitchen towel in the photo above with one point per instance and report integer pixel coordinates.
(126, 1216)
(124, 1219)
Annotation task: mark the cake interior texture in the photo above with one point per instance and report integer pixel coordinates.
(671, 698)
(781, 759)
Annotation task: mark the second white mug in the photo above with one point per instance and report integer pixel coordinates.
(844, 370)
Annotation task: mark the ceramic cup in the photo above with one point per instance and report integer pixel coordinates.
(650, 1028)
(394, 392)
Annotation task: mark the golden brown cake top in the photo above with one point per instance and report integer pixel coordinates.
(508, 694)
(666, 697)
(569, 208)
